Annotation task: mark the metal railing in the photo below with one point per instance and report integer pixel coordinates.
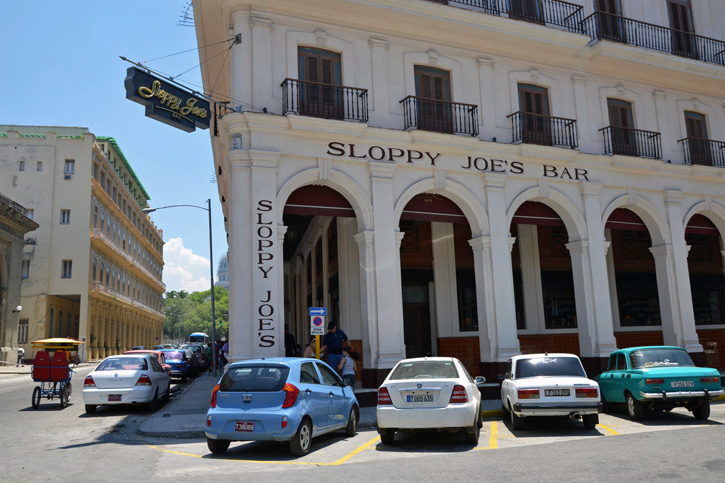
(546, 12)
(531, 128)
(704, 152)
(327, 101)
(601, 25)
(440, 116)
(632, 142)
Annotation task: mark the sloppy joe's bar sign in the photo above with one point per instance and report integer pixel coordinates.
(474, 163)
(165, 102)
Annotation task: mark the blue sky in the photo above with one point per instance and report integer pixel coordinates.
(61, 67)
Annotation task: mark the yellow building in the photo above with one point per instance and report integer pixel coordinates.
(92, 270)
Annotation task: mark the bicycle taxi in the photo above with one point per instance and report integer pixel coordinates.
(51, 368)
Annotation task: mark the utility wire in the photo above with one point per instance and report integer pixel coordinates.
(185, 51)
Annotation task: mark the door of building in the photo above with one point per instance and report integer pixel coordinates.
(433, 89)
(683, 41)
(609, 20)
(320, 91)
(416, 320)
(621, 122)
(535, 120)
(697, 141)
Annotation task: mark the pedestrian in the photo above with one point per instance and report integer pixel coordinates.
(289, 343)
(224, 352)
(21, 356)
(332, 343)
(209, 357)
(310, 349)
(347, 365)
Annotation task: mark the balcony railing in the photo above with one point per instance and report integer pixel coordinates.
(704, 152)
(545, 12)
(328, 101)
(531, 128)
(632, 142)
(606, 26)
(440, 116)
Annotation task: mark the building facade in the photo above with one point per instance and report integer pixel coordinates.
(92, 270)
(222, 272)
(475, 178)
(13, 227)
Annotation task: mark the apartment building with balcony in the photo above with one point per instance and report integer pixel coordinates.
(93, 268)
(474, 178)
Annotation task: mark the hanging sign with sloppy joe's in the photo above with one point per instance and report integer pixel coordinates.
(165, 102)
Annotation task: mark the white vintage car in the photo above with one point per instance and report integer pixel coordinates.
(429, 394)
(549, 385)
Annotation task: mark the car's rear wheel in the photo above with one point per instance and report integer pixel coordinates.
(473, 433)
(517, 422)
(168, 393)
(351, 428)
(217, 446)
(153, 405)
(702, 411)
(90, 408)
(634, 408)
(590, 421)
(301, 444)
(387, 436)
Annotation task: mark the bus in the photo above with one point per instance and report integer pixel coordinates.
(198, 338)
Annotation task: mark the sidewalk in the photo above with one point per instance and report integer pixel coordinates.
(185, 415)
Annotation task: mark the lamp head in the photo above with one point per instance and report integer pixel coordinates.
(18, 309)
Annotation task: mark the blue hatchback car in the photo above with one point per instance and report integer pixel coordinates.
(286, 399)
(181, 366)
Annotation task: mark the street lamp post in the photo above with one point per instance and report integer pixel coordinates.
(211, 270)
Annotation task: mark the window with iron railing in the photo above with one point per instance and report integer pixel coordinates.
(632, 142)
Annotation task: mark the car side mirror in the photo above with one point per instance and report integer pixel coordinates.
(345, 383)
(480, 380)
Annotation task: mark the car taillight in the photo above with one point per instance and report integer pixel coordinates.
(208, 421)
(384, 397)
(654, 381)
(458, 395)
(143, 380)
(291, 396)
(587, 392)
(528, 394)
(89, 382)
(709, 379)
(213, 396)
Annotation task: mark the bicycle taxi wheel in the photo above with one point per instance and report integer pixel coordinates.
(36, 397)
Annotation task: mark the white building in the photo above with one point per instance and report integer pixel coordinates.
(476, 178)
(222, 272)
(93, 268)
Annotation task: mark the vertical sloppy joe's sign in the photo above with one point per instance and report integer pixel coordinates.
(166, 102)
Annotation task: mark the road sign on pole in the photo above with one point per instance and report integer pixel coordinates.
(317, 325)
(318, 311)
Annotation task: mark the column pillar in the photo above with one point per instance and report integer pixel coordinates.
(488, 101)
(241, 59)
(579, 83)
(379, 68)
(663, 124)
(262, 81)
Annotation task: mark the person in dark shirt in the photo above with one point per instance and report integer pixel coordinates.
(333, 342)
(290, 344)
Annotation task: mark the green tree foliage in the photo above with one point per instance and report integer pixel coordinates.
(191, 312)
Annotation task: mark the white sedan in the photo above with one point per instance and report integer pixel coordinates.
(126, 379)
(549, 385)
(429, 394)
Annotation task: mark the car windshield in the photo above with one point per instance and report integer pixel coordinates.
(660, 358)
(425, 370)
(262, 377)
(549, 366)
(174, 355)
(123, 363)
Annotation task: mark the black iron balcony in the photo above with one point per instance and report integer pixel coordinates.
(605, 26)
(328, 101)
(632, 142)
(440, 116)
(704, 152)
(545, 12)
(531, 128)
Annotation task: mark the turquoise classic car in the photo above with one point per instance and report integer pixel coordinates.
(658, 377)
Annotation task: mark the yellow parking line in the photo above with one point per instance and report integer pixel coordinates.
(493, 440)
(338, 462)
(608, 429)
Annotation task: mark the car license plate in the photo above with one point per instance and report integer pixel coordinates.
(114, 397)
(556, 392)
(244, 426)
(683, 383)
(414, 398)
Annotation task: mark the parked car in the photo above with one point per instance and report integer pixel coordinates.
(193, 361)
(159, 356)
(126, 379)
(549, 385)
(159, 347)
(658, 377)
(287, 399)
(200, 354)
(430, 393)
(181, 364)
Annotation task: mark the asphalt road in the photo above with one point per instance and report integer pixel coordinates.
(54, 444)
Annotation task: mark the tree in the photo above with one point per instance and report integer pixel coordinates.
(191, 312)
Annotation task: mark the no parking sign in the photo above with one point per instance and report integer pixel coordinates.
(317, 325)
